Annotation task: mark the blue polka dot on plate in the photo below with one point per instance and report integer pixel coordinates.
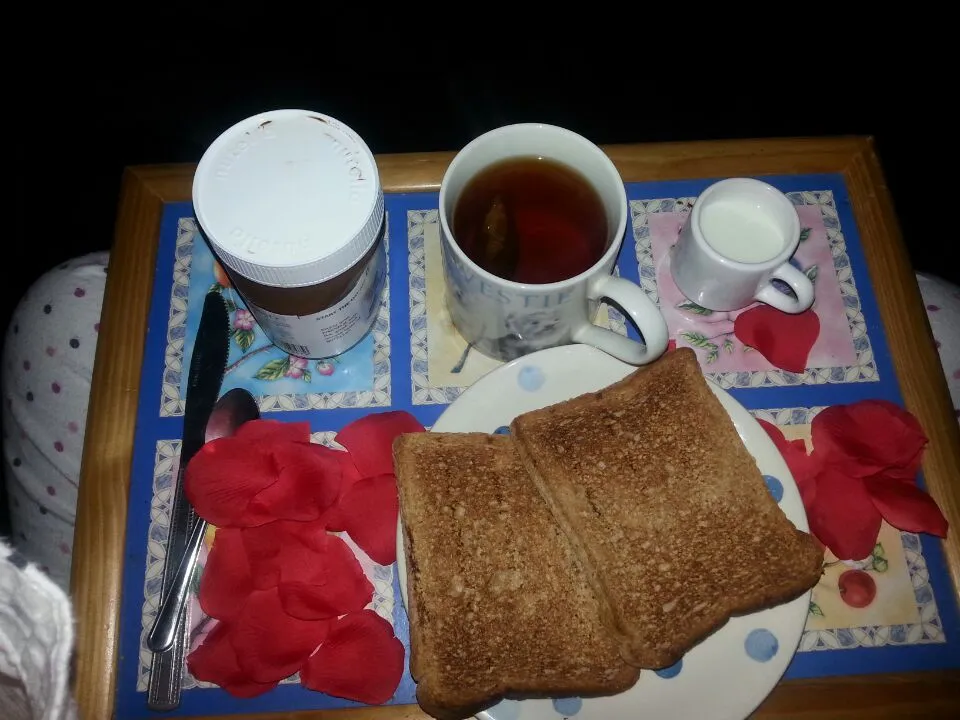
(761, 645)
(672, 671)
(530, 378)
(567, 706)
(774, 486)
(504, 710)
(502, 430)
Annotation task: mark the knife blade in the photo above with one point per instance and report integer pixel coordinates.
(207, 366)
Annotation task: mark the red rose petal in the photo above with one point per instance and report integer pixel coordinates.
(316, 573)
(287, 546)
(325, 602)
(782, 338)
(802, 466)
(808, 492)
(327, 489)
(216, 661)
(843, 516)
(368, 513)
(870, 437)
(349, 474)
(224, 476)
(227, 580)
(906, 507)
(270, 644)
(360, 660)
(307, 483)
(273, 431)
(263, 545)
(369, 440)
(332, 583)
(312, 555)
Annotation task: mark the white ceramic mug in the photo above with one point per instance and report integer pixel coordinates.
(506, 319)
(738, 238)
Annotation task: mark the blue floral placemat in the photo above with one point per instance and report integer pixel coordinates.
(892, 612)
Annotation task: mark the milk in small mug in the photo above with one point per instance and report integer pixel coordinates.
(532, 219)
(737, 239)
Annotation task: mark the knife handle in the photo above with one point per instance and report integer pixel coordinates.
(166, 671)
(163, 633)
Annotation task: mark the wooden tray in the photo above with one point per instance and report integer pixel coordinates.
(99, 543)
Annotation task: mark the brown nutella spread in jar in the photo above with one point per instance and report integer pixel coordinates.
(291, 204)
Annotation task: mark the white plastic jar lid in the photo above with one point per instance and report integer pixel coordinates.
(289, 198)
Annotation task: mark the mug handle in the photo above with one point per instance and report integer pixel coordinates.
(795, 279)
(642, 311)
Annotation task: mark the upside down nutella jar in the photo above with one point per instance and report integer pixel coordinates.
(291, 204)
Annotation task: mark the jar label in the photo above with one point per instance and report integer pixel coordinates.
(336, 329)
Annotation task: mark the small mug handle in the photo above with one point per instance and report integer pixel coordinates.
(642, 311)
(795, 279)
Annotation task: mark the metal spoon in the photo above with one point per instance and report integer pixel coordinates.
(232, 410)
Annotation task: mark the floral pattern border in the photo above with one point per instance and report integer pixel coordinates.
(864, 371)
(930, 627)
(172, 403)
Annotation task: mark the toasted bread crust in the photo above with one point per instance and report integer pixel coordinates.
(497, 604)
(665, 508)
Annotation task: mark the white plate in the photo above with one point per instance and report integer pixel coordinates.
(731, 672)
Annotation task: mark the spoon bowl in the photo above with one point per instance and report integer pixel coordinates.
(233, 409)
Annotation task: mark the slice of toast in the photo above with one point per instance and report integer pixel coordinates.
(665, 507)
(497, 604)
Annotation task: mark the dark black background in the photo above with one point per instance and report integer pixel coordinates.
(81, 106)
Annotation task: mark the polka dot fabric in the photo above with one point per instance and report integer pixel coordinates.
(47, 366)
(942, 301)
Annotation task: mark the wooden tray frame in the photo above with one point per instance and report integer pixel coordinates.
(108, 449)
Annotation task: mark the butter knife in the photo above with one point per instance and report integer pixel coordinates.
(207, 366)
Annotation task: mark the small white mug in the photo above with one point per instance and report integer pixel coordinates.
(506, 319)
(738, 238)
